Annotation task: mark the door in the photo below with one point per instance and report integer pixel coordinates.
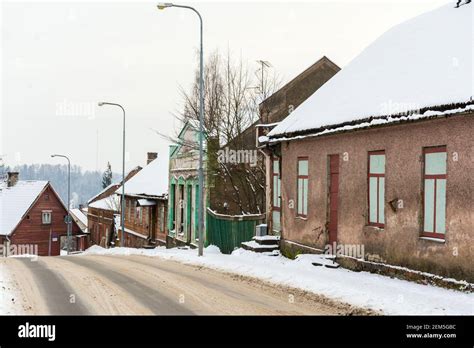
(152, 217)
(333, 197)
(276, 196)
(55, 244)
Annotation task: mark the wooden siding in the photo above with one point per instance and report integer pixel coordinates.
(100, 225)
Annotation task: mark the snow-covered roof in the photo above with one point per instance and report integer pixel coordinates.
(111, 202)
(15, 201)
(424, 62)
(79, 215)
(146, 202)
(104, 190)
(152, 180)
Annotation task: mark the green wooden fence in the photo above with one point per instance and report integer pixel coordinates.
(228, 232)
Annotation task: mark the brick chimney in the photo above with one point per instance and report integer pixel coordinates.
(151, 156)
(12, 178)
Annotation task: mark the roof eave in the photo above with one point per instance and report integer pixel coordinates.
(316, 131)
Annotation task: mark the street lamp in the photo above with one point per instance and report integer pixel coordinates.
(162, 6)
(122, 205)
(68, 223)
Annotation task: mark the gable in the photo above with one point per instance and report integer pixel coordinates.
(16, 201)
(187, 138)
(48, 198)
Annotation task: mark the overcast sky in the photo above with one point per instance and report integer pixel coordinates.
(60, 58)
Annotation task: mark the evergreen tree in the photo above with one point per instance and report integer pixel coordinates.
(107, 176)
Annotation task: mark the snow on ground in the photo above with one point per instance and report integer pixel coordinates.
(363, 289)
(8, 296)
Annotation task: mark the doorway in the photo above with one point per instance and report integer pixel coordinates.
(333, 203)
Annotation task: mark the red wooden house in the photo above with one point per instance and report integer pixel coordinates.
(101, 210)
(32, 218)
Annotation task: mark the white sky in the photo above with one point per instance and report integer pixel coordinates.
(61, 54)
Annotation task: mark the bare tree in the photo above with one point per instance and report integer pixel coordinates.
(232, 94)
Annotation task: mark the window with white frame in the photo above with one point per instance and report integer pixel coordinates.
(46, 217)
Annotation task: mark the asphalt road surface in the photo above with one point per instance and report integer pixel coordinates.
(82, 285)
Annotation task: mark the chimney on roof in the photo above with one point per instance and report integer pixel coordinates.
(12, 178)
(151, 156)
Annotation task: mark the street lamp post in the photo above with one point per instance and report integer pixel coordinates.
(68, 223)
(162, 6)
(122, 205)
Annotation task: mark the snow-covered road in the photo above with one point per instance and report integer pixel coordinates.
(140, 281)
(140, 285)
(361, 289)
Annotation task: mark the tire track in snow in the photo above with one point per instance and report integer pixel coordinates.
(149, 297)
(58, 295)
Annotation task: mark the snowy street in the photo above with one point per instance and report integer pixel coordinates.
(177, 281)
(97, 284)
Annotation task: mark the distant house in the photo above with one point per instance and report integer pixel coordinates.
(381, 156)
(146, 201)
(33, 218)
(101, 210)
(100, 217)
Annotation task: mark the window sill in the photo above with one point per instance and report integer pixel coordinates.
(431, 239)
(373, 229)
(302, 218)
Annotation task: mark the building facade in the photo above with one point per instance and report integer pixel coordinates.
(405, 198)
(184, 187)
(376, 166)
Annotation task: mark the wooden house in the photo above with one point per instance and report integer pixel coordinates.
(101, 210)
(33, 218)
(146, 201)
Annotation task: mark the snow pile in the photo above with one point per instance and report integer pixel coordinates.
(391, 296)
(15, 202)
(421, 63)
(8, 298)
